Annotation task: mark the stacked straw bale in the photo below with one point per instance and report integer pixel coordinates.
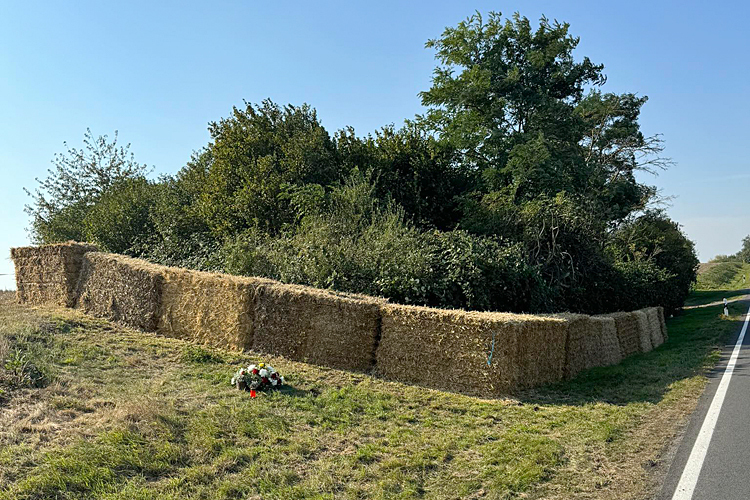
(592, 342)
(628, 335)
(213, 309)
(49, 274)
(644, 331)
(486, 354)
(663, 322)
(654, 326)
(317, 326)
(120, 289)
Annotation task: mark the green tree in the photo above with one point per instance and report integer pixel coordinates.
(655, 239)
(62, 200)
(505, 96)
(744, 254)
(120, 219)
(411, 168)
(256, 155)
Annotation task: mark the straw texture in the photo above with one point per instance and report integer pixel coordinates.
(49, 274)
(663, 322)
(654, 326)
(485, 354)
(644, 331)
(213, 309)
(592, 342)
(120, 289)
(317, 326)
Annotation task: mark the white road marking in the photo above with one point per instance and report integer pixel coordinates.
(693, 467)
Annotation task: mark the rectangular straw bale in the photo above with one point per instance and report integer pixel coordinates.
(628, 335)
(663, 322)
(644, 331)
(485, 354)
(120, 289)
(49, 274)
(592, 341)
(213, 309)
(317, 326)
(654, 326)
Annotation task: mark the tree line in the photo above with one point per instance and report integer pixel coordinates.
(516, 190)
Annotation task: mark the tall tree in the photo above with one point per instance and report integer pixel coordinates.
(79, 177)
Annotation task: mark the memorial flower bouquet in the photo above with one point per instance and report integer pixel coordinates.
(258, 377)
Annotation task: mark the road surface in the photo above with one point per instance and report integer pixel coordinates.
(713, 460)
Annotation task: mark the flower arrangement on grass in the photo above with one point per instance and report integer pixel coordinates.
(257, 377)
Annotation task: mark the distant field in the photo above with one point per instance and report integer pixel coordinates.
(89, 409)
(723, 275)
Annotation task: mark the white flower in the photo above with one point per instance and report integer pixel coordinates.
(263, 373)
(251, 368)
(274, 381)
(282, 380)
(234, 380)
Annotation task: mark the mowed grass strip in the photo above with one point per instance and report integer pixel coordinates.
(113, 413)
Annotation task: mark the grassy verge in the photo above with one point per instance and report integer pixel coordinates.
(96, 410)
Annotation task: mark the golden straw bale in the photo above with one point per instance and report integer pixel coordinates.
(317, 326)
(654, 326)
(120, 289)
(663, 322)
(644, 331)
(628, 332)
(592, 342)
(484, 354)
(49, 274)
(210, 308)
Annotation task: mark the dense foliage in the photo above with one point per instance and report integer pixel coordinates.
(516, 190)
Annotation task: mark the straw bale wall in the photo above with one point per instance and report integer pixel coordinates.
(471, 352)
(479, 353)
(49, 274)
(654, 326)
(644, 331)
(317, 326)
(592, 342)
(120, 289)
(628, 335)
(210, 308)
(663, 322)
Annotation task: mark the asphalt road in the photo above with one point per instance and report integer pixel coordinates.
(713, 460)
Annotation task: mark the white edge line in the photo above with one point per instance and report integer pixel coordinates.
(689, 478)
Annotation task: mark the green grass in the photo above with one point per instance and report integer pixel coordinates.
(127, 415)
(724, 276)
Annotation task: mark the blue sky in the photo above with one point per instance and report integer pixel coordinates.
(160, 71)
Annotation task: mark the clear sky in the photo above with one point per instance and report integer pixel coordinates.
(160, 71)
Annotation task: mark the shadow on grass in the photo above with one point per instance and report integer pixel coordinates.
(695, 339)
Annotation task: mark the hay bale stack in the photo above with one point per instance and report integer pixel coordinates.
(644, 331)
(654, 326)
(485, 354)
(628, 334)
(49, 274)
(213, 309)
(663, 322)
(592, 342)
(317, 326)
(120, 289)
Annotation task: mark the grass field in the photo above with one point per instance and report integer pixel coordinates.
(89, 409)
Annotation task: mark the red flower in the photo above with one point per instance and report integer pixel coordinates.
(264, 380)
(255, 371)
(275, 376)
